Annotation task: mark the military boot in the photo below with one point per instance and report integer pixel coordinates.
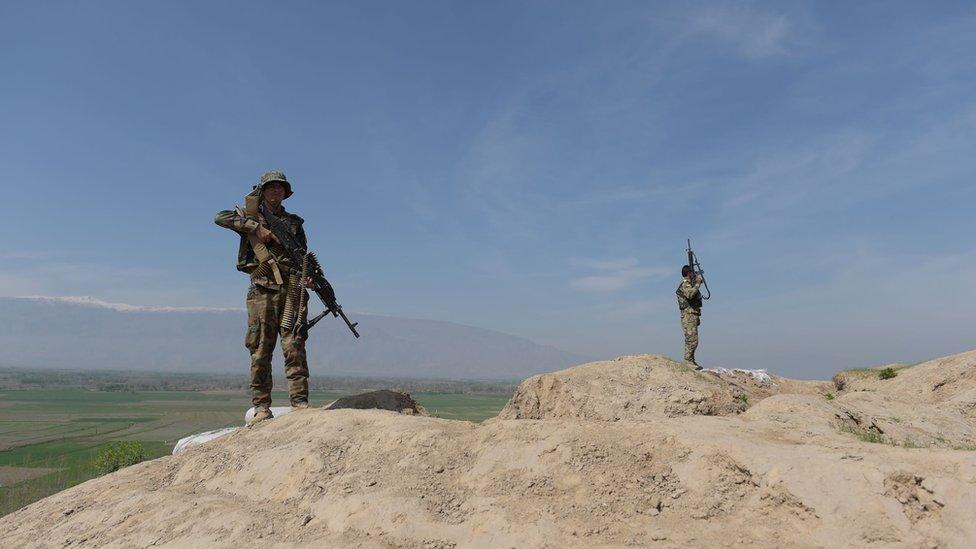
(299, 405)
(261, 414)
(691, 362)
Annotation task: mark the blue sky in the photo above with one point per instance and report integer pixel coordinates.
(531, 167)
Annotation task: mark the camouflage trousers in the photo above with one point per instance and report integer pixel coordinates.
(264, 310)
(689, 323)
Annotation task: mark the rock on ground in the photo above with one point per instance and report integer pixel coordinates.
(695, 470)
(383, 399)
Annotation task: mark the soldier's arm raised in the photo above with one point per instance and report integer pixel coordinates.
(236, 221)
(689, 290)
(233, 220)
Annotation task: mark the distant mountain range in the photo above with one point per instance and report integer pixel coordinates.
(85, 333)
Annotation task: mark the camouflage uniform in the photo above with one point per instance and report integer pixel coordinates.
(265, 304)
(690, 303)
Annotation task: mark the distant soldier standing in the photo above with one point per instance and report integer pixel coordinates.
(261, 256)
(690, 304)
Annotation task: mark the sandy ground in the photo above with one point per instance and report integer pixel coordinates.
(634, 451)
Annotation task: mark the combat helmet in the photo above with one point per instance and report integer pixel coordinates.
(275, 175)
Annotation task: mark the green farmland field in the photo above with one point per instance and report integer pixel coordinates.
(49, 438)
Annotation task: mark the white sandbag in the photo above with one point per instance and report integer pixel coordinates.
(760, 376)
(200, 438)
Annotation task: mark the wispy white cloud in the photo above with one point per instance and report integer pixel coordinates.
(671, 192)
(751, 32)
(505, 174)
(646, 310)
(615, 275)
(50, 275)
(786, 175)
(89, 301)
(59, 273)
(498, 171)
(935, 146)
(30, 255)
(946, 50)
(848, 166)
(605, 264)
(507, 170)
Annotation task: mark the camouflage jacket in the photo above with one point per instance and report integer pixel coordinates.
(689, 297)
(245, 225)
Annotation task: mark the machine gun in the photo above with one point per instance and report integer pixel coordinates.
(302, 258)
(696, 268)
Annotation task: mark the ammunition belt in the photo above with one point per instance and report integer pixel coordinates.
(266, 270)
(294, 309)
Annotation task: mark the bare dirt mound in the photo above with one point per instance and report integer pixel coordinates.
(643, 388)
(928, 404)
(949, 380)
(782, 473)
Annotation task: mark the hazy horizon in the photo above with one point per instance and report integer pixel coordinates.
(51, 332)
(528, 168)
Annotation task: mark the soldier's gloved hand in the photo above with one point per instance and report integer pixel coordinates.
(265, 235)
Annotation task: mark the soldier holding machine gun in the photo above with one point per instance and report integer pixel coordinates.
(690, 303)
(273, 252)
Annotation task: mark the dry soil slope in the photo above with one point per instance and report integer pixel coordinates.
(929, 404)
(778, 474)
(643, 388)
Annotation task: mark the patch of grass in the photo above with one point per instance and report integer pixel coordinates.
(467, 407)
(874, 437)
(887, 373)
(865, 435)
(24, 493)
(743, 398)
(910, 443)
(829, 396)
(74, 462)
(871, 436)
(840, 378)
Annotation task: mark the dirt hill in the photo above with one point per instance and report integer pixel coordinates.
(634, 451)
(644, 388)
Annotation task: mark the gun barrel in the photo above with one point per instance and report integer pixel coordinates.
(696, 267)
(352, 325)
(300, 256)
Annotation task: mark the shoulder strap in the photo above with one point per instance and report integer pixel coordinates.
(261, 251)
